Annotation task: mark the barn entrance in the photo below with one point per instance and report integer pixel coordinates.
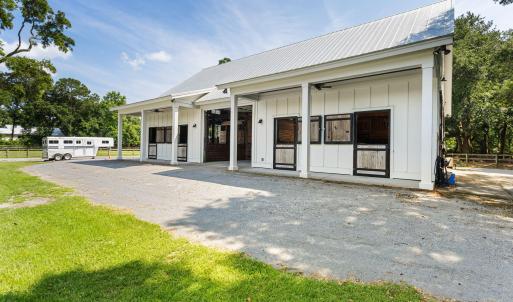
(217, 134)
(285, 143)
(372, 143)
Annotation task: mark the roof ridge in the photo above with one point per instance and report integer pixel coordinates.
(329, 33)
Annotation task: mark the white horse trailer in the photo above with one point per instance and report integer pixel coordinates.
(58, 147)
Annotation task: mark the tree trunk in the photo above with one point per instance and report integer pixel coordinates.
(483, 146)
(502, 137)
(12, 129)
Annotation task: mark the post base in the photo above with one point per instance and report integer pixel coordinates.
(426, 185)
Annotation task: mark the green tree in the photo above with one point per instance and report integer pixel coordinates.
(21, 86)
(224, 60)
(75, 110)
(503, 2)
(39, 21)
(109, 120)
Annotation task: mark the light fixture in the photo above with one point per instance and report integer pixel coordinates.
(225, 91)
(194, 125)
(260, 121)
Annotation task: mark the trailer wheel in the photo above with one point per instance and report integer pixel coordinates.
(57, 157)
(67, 156)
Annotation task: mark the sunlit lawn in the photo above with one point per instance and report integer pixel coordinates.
(71, 250)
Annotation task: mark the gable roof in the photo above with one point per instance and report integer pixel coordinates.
(422, 24)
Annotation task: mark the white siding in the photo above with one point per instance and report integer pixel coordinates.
(401, 93)
(187, 117)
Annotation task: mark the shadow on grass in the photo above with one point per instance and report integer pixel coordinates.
(175, 282)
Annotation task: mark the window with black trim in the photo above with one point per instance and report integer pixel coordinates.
(160, 135)
(338, 129)
(152, 135)
(53, 142)
(105, 142)
(285, 129)
(68, 142)
(89, 142)
(78, 142)
(182, 134)
(315, 129)
(169, 135)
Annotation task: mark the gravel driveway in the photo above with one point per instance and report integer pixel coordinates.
(447, 247)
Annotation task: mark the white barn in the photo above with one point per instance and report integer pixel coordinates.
(366, 101)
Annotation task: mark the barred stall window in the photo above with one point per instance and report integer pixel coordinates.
(152, 135)
(169, 135)
(338, 129)
(160, 138)
(315, 129)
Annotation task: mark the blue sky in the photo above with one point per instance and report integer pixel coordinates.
(142, 48)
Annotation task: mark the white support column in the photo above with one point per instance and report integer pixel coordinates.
(426, 159)
(120, 136)
(234, 121)
(142, 138)
(305, 130)
(174, 145)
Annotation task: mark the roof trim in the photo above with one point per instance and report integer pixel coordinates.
(381, 54)
(159, 99)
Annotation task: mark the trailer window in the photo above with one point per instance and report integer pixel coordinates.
(337, 129)
(105, 142)
(68, 142)
(53, 142)
(89, 142)
(78, 142)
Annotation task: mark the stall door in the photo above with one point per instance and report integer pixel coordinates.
(182, 142)
(372, 143)
(285, 141)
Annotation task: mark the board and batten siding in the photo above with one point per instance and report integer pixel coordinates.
(187, 117)
(401, 93)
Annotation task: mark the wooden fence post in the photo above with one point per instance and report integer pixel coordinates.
(27, 152)
(466, 158)
(496, 160)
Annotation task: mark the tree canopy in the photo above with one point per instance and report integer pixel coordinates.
(482, 103)
(39, 21)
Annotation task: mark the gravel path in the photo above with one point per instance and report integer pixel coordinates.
(447, 247)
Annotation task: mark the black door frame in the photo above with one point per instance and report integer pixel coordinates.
(181, 158)
(279, 166)
(370, 147)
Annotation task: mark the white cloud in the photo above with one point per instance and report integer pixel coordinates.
(138, 60)
(160, 56)
(37, 52)
(499, 14)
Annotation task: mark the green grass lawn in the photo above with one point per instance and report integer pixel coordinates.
(71, 250)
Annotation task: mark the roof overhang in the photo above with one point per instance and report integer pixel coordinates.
(400, 50)
(185, 99)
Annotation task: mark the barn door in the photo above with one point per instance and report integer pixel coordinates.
(372, 143)
(285, 141)
(182, 143)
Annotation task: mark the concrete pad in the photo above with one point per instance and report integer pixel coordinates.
(447, 247)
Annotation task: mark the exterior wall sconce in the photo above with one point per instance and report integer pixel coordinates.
(260, 121)
(194, 125)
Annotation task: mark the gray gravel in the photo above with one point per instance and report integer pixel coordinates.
(447, 247)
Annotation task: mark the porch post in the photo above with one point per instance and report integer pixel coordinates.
(174, 142)
(142, 138)
(120, 136)
(305, 130)
(426, 160)
(234, 121)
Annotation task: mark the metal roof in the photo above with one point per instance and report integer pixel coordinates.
(425, 23)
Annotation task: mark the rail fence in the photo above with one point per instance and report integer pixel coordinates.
(37, 152)
(470, 158)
